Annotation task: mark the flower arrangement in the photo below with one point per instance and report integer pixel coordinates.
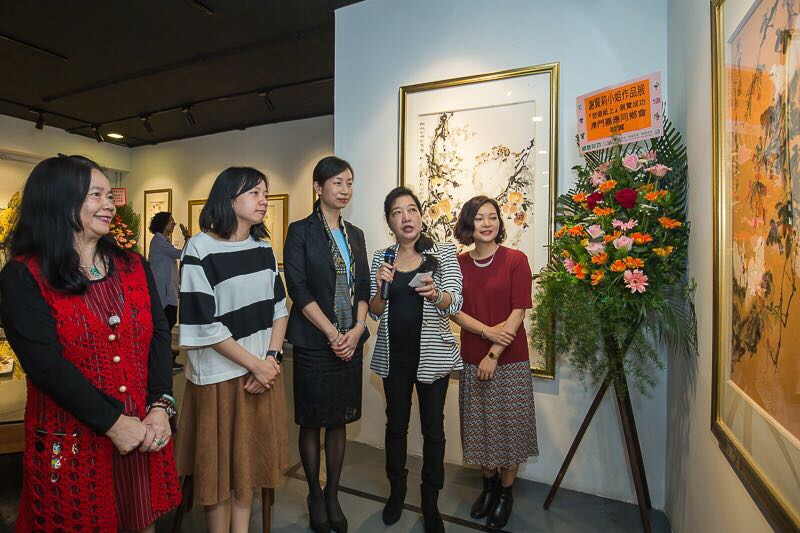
(8, 218)
(125, 228)
(617, 275)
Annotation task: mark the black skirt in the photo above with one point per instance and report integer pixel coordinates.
(327, 390)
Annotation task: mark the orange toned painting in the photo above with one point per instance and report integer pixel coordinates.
(763, 114)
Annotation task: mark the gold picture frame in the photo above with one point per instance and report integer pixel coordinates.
(193, 212)
(277, 224)
(155, 201)
(511, 118)
(752, 195)
(276, 228)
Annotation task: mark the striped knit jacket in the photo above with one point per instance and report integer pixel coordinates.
(439, 352)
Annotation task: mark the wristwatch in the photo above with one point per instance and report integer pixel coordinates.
(277, 354)
(493, 356)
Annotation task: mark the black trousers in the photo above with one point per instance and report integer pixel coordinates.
(397, 388)
(171, 312)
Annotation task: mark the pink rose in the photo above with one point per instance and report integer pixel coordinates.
(595, 248)
(658, 170)
(593, 199)
(631, 162)
(594, 231)
(597, 178)
(623, 243)
(569, 264)
(603, 167)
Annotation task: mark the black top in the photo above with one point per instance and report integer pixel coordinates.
(31, 330)
(405, 320)
(311, 277)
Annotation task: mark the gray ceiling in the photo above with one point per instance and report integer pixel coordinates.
(112, 63)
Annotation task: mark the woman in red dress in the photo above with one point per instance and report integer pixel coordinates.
(498, 420)
(84, 318)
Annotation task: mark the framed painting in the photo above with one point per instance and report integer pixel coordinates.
(756, 365)
(155, 201)
(494, 134)
(277, 222)
(193, 211)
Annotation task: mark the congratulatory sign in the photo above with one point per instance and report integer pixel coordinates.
(623, 113)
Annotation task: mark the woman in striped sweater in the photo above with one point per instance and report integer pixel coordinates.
(415, 347)
(233, 436)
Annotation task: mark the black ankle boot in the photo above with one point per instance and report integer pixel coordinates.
(317, 516)
(337, 519)
(502, 509)
(397, 497)
(487, 499)
(430, 510)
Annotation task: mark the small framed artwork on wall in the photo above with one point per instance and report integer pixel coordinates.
(155, 201)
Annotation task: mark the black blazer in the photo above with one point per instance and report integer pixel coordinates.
(310, 277)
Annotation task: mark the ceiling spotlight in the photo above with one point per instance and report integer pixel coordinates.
(189, 117)
(146, 123)
(267, 100)
(40, 121)
(114, 135)
(97, 135)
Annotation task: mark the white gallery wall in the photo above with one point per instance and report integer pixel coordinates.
(703, 491)
(285, 152)
(384, 44)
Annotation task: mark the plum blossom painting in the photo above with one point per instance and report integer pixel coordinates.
(757, 307)
(493, 134)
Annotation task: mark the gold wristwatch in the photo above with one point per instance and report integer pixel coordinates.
(493, 356)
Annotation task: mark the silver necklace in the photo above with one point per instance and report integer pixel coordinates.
(484, 265)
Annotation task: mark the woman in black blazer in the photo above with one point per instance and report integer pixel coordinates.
(328, 279)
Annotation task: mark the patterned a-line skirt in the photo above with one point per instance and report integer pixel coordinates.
(498, 419)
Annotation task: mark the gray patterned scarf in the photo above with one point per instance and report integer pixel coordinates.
(345, 288)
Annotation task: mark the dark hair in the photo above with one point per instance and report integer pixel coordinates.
(424, 243)
(328, 167)
(50, 215)
(218, 215)
(159, 222)
(465, 225)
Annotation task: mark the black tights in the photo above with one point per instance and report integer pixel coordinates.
(335, 442)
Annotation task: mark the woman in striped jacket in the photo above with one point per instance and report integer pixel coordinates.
(415, 347)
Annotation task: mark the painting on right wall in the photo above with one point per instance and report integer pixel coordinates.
(756, 404)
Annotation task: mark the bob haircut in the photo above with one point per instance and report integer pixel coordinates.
(217, 215)
(159, 222)
(50, 217)
(465, 225)
(424, 243)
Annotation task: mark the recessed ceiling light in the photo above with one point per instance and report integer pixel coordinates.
(114, 135)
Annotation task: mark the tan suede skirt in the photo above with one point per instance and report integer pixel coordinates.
(231, 440)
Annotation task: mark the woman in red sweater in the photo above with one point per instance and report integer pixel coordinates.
(84, 318)
(498, 421)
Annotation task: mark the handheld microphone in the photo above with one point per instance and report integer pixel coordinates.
(388, 257)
